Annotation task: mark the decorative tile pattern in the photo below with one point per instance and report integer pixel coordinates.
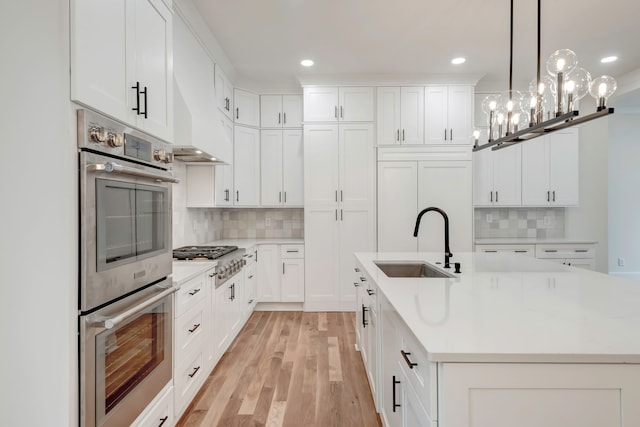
(519, 222)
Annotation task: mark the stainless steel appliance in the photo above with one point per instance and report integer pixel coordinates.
(229, 259)
(125, 292)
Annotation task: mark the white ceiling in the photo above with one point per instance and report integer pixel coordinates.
(266, 39)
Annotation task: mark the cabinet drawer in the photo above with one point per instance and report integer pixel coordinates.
(518, 249)
(565, 251)
(160, 413)
(188, 379)
(190, 329)
(421, 373)
(291, 251)
(191, 293)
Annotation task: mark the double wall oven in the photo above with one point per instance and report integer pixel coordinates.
(126, 292)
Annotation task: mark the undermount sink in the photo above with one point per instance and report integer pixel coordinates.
(411, 269)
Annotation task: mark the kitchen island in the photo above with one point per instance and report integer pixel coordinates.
(510, 341)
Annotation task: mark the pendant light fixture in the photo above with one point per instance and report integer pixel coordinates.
(514, 117)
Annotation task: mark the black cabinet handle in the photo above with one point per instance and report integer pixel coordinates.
(237, 113)
(357, 269)
(551, 250)
(445, 134)
(491, 196)
(554, 195)
(398, 135)
(145, 93)
(356, 284)
(137, 107)
(279, 116)
(548, 196)
(285, 118)
(370, 292)
(451, 134)
(496, 196)
(393, 394)
(237, 195)
(403, 134)
(364, 316)
(362, 279)
(283, 268)
(163, 420)
(195, 371)
(406, 359)
(195, 327)
(230, 292)
(195, 291)
(285, 197)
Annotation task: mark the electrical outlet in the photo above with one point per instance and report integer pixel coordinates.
(267, 222)
(489, 218)
(547, 220)
(620, 262)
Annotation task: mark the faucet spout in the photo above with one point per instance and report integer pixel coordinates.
(447, 250)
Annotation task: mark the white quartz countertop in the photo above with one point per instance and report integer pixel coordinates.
(532, 241)
(183, 271)
(511, 308)
(247, 243)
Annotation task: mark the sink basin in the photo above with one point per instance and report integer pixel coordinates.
(410, 269)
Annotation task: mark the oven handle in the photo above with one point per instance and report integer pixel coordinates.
(110, 322)
(111, 167)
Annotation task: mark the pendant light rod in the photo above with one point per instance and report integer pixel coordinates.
(538, 76)
(511, 53)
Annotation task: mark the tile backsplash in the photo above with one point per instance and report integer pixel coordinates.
(519, 222)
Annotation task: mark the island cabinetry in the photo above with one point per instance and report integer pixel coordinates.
(343, 104)
(280, 111)
(400, 118)
(121, 61)
(367, 329)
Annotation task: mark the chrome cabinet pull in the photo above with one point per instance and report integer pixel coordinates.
(195, 327)
(406, 359)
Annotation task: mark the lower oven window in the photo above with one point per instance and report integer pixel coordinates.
(129, 354)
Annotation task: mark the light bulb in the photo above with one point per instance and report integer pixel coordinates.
(533, 102)
(560, 65)
(561, 61)
(571, 85)
(500, 119)
(510, 106)
(581, 79)
(492, 105)
(602, 88)
(476, 134)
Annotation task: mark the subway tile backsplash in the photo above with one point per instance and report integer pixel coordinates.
(519, 222)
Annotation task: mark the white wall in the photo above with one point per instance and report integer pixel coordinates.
(589, 220)
(624, 195)
(38, 219)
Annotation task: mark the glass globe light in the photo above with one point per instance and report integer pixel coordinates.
(602, 88)
(561, 61)
(547, 85)
(581, 79)
(489, 107)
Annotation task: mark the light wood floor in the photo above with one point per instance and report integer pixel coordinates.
(288, 369)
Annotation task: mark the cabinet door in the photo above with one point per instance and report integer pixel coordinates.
(507, 176)
(321, 104)
(391, 372)
(246, 108)
(321, 239)
(224, 185)
(236, 304)
(224, 146)
(292, 168)
(397, 206)
(483, 177)
(413, 413)
(292, 111)
(388, 117)
(412, 115)
(224, 92)
(535, 172)
(270, 111)
(460, 114)
(271, 169)
(356, 104)
(455, 198)
(564, 160)
(98, 32)
(321, 166)
(436, 129)
(153, 38)
(269, 273)
(200, 186)
(221, 319)
(246, 166)
(292, 286)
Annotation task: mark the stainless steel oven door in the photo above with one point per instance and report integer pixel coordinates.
(125, 356)
(125, 227)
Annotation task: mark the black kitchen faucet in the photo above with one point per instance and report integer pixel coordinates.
(447, 251)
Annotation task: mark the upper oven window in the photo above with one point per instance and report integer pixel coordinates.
(131, 220)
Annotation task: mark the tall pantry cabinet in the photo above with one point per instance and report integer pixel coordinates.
(339, 207)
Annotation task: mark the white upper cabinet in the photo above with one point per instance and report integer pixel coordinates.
(400, 118)
(281, 167)
(550, 169)
(122, 61)
(344, 104)
(247, 108)
(449, 115)
(281, 111)
(224, 93)
(246, 166)
(497, 177)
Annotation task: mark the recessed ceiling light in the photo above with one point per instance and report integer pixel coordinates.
(198, 152)
(609, 59)
(306, 63)
(213, 159)
(458, 61)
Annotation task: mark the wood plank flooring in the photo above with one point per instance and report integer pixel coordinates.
(288, 369)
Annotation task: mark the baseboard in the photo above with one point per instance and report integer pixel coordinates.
(278, 306)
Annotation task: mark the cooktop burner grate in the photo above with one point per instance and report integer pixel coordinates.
(202, 252)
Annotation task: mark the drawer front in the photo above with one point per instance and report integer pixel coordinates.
(191, 328)
(188, 379)
(191, 293)
(291, 251)
(421, 373)
(518, 249)
(161, 413)
(565, 251)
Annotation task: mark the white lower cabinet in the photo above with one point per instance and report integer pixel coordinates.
(250, 294)
(367, 330)
(160, 412)
(281, 273)
(580, 255)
